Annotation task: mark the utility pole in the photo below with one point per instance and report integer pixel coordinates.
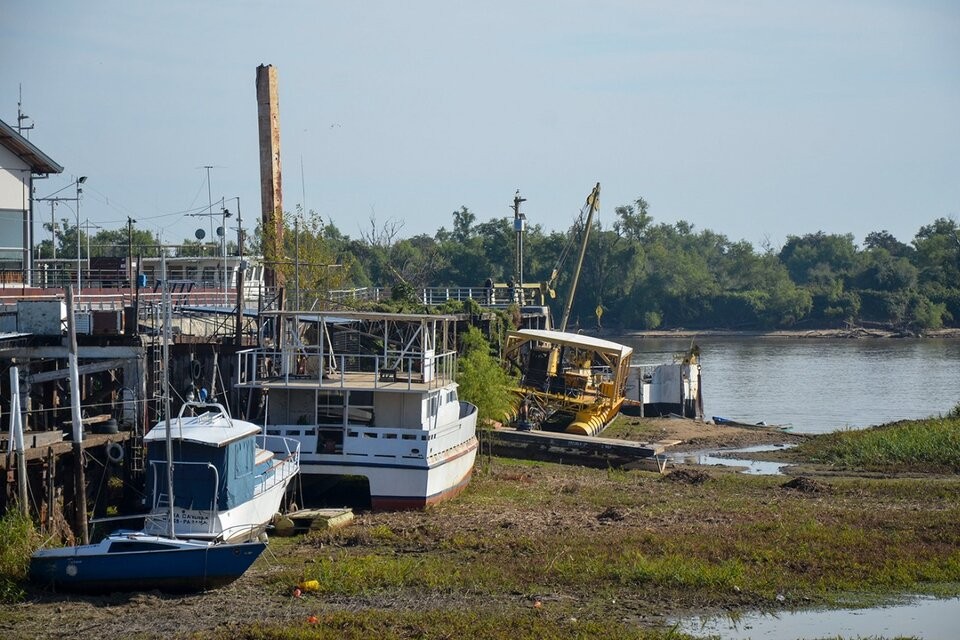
(130, 223)
(53, 228)
(240, 278)
(87, 225)
(519, 225)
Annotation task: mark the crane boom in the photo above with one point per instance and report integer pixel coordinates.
(593, 203)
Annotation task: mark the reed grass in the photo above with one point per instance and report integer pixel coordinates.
(19, 540)
(931, 445)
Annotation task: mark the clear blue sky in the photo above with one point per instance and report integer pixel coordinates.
(755, 119)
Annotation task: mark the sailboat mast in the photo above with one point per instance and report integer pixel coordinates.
(167, 320)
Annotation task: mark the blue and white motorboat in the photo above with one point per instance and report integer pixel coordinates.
(230, 480)
(135, 561)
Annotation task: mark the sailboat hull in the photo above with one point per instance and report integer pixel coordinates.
(121, 563)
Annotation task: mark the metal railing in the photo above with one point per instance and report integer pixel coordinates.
(340, 370)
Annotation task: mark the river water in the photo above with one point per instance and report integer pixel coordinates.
(817, 384)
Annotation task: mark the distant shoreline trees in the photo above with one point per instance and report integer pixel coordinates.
(642, 274)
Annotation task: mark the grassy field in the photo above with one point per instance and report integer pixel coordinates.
(542, 550)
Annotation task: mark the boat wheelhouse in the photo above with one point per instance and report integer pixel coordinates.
(367, 394)
(230, 480)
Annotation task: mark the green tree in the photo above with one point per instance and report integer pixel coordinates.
(482, 381)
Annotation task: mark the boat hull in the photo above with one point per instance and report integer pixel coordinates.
(244, 522)
(90, 568)
(396, 486)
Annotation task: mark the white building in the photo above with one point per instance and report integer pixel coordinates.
(20, 163)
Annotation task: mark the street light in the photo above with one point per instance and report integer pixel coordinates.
(224, 214)
(79, 182)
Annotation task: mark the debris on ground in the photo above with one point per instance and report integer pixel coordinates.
(806, 485)
(687, 476)
(610, 514)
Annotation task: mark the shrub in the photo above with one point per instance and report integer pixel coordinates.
(20, 539)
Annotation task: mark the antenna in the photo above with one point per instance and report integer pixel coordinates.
(21, 116)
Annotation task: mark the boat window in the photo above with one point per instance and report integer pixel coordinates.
(130, 546)
(361, 398)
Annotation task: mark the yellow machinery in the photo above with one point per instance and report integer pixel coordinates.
(569, 382)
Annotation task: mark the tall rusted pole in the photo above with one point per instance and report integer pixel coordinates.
(271, 196)
(80, 482)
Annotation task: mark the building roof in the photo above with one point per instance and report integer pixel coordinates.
(24, 149)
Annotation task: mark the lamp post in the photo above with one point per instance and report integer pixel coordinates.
(238, 325)
(224, 214)
(79, 182)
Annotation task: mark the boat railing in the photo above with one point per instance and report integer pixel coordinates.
(384, 442)
(392, 370)
(205, 417)
(288, 463)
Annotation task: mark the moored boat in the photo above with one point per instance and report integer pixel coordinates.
(136, 561)
(230, 480)
(371, 395)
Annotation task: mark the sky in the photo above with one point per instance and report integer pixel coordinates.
(754, 119)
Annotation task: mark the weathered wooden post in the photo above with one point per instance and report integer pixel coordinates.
(80, 489)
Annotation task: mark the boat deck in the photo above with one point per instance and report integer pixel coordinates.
(385, 380)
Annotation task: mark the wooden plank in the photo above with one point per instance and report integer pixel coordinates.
(321, 519)
(90, 440)
(94, 367)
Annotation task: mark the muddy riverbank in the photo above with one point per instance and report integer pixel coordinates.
(537, 549)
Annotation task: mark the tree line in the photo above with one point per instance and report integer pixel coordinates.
(639, 273)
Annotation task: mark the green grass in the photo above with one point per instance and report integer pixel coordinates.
(19, 540)
(743, 540)
(931, 445)
(515, 623)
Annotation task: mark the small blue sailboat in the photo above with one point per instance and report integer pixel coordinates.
(139, 560)
(135, 561)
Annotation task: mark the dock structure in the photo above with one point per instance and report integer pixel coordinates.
(119, 371)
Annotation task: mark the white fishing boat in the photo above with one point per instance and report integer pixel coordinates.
(367, 394)
(230, 480)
